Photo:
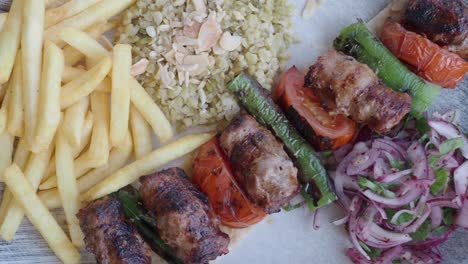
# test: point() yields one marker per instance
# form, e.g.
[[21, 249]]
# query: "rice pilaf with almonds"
[[193, 48]]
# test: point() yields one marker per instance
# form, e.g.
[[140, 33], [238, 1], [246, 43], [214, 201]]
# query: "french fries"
[[72, 55], [150, 162], [141, 134], [68, 189], [40, 217], [105, 86], [3, 18], [71, 8], [98, 151], [3, 117], [84, 141], [84, 43], [117, 159], [10, 38], [31, 49], [73, 121], [15, 119], [48, 116], [120, 96], [6, 141], [150, 111], [75, 90], [33, 172], [71, 73], [101, 11]]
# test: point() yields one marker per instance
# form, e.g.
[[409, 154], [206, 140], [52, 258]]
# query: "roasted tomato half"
[[303, 108], [212, 173]]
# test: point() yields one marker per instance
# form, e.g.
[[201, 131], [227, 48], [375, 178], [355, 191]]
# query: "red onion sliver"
[[416, 224], [362, 162], [397, 214], [462, 217], [389, 255], [352, 226], [394, 176], [388, 236], [449, 130], [393, 145], [460, 177], [436, 217], [381, 168], [417, 156], [434, 242]]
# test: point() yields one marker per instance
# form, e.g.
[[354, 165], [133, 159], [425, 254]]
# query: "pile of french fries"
[[72, 117]]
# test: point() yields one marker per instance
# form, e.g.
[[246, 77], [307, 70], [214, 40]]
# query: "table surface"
[[283, 237]]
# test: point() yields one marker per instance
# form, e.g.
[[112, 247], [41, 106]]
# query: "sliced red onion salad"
[[404, 195]]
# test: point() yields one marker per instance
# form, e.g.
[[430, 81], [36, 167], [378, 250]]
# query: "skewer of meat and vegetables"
[[166, 130]]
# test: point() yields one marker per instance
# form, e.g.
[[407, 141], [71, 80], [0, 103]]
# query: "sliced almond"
[[217, 50], [150, 31], [229, 42], [163, 75], [209, 34], [139, 67], [186, 41], [310, 7], [192, 30], [200, 60]]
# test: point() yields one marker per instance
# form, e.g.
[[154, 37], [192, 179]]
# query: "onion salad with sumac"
[[406, 194]]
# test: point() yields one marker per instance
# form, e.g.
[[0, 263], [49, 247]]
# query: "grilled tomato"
[[212, 173], [323, 130], [430, 61]]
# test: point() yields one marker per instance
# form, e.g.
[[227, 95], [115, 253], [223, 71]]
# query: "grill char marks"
[[351, 88], [184, 219], [261, 166], [442, 21], [109, 236]]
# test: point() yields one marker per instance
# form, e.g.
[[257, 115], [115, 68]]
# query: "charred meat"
[[108, 235], [351, 88], [184, 219], [442, 21], [261, 166]]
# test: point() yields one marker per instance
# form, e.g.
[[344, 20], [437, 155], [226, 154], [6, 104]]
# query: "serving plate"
[[284, 237]]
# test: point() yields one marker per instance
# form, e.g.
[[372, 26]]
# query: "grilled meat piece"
[[351, 88], [109, 236], [442, 21], [184, 219], [260, 165]]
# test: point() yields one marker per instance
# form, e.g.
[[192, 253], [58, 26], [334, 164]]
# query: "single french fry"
[[145, 165], [101, 11], [73, 121], [3, 117], [68, 188], [141, 134], [105, 86], [15, 107], [33, 172], [40, 217], [22, 153], [71, 73], [84, 43], [67, 10], [75, 90], [49, 97], [3, 18], [6, 199], [150, 111], [98, 151], [10, 38], [6, 142], [117, 159], [120, 95], [84, 141], [72, 55], [31, 49]]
